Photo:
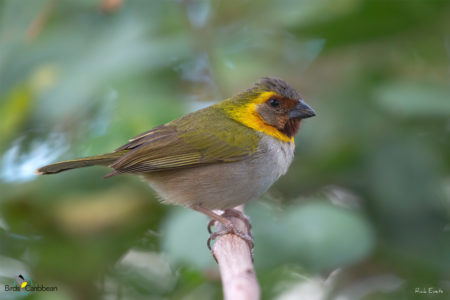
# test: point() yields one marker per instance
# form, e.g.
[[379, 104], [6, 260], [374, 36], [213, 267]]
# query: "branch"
[[236, 264], [39, 22]]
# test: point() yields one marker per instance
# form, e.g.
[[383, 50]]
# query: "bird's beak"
[[301, 111]]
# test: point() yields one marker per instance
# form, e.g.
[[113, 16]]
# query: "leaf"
[[319, 236], [324, 236], [414, 99], [14, 109], [184, 238]]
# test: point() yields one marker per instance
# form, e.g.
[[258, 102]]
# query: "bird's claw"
[[211, 224], [246, 237], [239, 215], [230, 229]]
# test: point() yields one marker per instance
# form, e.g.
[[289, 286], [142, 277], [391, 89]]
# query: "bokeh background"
[[363, 212]]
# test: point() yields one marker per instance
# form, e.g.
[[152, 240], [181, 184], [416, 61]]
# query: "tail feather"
[[98, 160]]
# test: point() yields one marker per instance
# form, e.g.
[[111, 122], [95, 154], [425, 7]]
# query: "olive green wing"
[[204, 137]]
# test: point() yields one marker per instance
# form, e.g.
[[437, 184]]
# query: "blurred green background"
[[363, 212]]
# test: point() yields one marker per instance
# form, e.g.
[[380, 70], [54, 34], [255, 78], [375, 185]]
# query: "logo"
[[21, 280], [23, 285]]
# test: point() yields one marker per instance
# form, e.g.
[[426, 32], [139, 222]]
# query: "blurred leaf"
[[318, 235], [367, 20], [184, 238], [407, 204], [326, 237], [14, 109], [414, 99], [11, 267], [146, 272], [97, 213]]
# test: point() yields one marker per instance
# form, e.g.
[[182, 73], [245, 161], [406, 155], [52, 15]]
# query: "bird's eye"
[[274, 102]]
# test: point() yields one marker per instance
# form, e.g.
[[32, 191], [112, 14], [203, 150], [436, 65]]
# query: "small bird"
[[21, 281], [215, 158]]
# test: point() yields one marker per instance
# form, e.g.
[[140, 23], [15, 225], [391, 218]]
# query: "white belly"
[[225, 185]]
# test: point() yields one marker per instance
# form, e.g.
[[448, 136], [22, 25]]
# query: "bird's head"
[[272, 106]]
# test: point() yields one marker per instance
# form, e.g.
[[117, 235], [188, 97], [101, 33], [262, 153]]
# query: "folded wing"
[[201, 138]]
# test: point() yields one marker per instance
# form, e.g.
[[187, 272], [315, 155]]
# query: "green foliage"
[[363, 212]]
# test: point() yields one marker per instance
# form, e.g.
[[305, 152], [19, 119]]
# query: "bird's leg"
[[235, 213], [229, 226]]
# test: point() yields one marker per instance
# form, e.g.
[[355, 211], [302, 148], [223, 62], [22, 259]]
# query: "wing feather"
[[203, 137]]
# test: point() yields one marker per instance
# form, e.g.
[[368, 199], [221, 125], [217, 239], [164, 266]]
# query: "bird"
[[215, 158], [21, 281]]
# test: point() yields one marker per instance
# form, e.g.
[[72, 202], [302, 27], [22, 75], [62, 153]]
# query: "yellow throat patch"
[[249, 116]]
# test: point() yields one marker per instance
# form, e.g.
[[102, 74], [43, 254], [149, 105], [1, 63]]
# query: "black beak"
[[301, 111]]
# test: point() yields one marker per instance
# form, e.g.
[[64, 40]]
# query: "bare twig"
[[236, 265], [39, 22]]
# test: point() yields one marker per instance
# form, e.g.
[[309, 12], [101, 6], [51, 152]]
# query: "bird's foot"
[[229, 228], [235, 214]]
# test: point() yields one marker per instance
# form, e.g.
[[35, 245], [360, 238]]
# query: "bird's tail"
[[98, 160]]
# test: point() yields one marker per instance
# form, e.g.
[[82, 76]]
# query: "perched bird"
[[215, 158]]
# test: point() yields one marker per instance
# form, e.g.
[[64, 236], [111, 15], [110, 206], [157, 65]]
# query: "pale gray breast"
[[225, 185], [279, 155]]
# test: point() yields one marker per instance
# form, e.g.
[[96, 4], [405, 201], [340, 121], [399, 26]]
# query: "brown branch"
[[236, 265], [38, 23]]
